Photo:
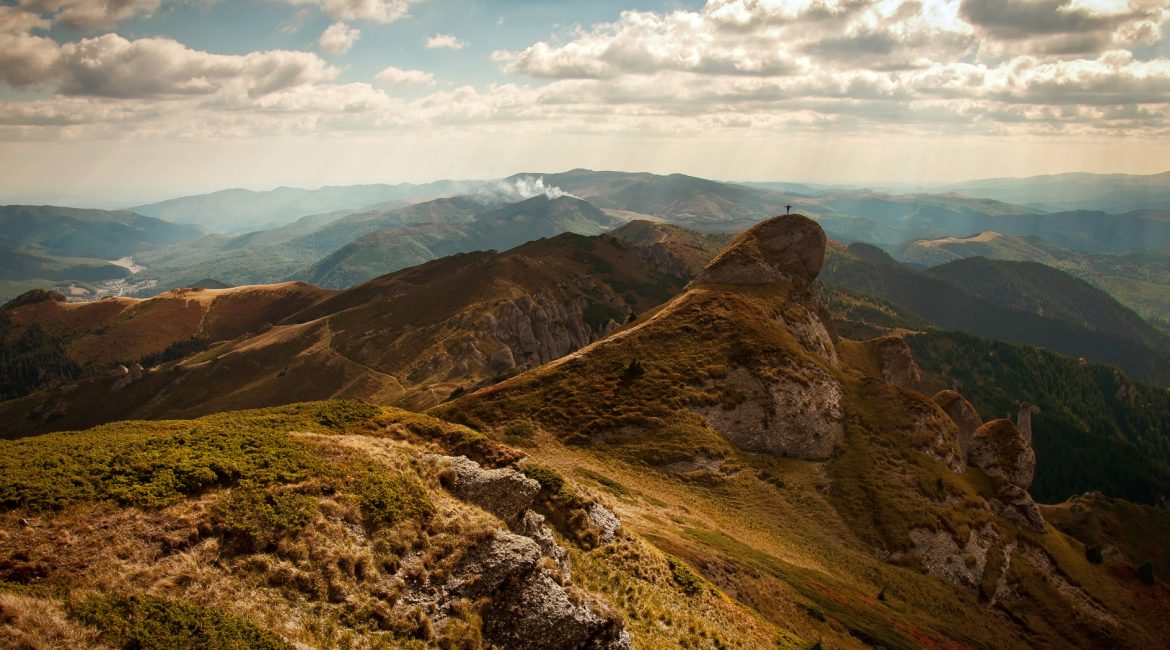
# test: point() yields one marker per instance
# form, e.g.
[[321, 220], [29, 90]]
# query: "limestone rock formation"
[[897, 362], [503, 492], [962, 413], [1024, 420], [1001, 451], [789, 247], [789, 417]]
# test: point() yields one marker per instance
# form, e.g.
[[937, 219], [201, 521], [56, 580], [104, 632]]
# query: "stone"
[[897, 362], [1001, 451], [503, 492], [788, 247], [962, 413]]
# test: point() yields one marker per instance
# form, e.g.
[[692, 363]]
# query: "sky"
[[121, 101]]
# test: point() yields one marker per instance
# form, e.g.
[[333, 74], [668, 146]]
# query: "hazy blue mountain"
[[1114, 193], [390, 249], [1021, 304], [238, 210], [74, 232], [1140, 281]]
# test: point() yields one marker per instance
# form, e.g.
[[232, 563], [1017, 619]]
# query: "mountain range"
[[714, 465]]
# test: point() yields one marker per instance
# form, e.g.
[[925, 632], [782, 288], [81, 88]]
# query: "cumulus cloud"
[[93, 14], [379, 11], [399, 77], [338, 38], [447, 41]]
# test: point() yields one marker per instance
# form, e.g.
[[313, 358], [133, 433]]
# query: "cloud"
[[378, 11], [112, 66], [399, 77], [445, 41], [93, 14], [338, 38]]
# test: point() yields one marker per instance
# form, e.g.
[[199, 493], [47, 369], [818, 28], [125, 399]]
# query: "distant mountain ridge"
[[237, 210]]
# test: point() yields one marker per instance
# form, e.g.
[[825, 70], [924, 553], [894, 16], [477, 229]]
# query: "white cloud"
[[93, 14], [439, 41], [112, 66], [399, 77], [338, 38], [379, 11]]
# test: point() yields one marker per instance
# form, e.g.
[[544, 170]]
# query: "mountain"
[[724, 471], [44, 339], [16, 264], [238, 210], [73, 232], [412, 337], [1035, 288], [1114, 193], [794, 472], [390, 249], [1139, 281], [999, 313], [1089, 422]]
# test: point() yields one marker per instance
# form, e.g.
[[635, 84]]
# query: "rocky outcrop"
[[962, 413], [782, 415], [1001, 451], [1024, 420], [804, 319], [942, 557], [503, 492], [530, 607], [897, 362], [789, 247], [532, 330]]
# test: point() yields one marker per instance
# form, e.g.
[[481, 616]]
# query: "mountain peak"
[[789, 247]]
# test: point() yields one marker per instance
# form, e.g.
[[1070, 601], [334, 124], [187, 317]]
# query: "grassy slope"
[[287, 525], [794, 540], [867, 270], [376, 341]]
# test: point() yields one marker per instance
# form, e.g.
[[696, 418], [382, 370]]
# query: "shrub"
[[1093, 554], [684, 577], [259, 517], [633, 371], [1146, 573], [387, 498], [146, 623]]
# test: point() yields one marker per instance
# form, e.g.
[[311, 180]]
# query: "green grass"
[[156, 464], [147, 623]]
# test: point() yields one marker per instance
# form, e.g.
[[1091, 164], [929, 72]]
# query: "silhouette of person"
[[788, 209]]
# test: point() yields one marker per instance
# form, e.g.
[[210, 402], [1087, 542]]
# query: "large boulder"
[[897, 362], [962, 413], [503, 492], [1004, 454], [789, 247]]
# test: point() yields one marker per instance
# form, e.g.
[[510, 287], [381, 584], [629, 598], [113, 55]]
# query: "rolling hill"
[[390, 249], [238, 210], [73, 232], [45, 340], [1114, 193], [411, 337], [1140, 281], [1102, 330]]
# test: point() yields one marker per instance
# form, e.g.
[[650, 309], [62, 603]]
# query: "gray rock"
[[605, 521], [504, 492], [1001, 451], [897, 362], [783, 416], [962, 413], [540, 614]]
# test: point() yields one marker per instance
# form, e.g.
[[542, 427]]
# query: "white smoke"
[[522, 188]]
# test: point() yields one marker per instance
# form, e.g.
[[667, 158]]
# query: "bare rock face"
[[783, 416], [532, 330], [789, 247], [1024, 420], [605, 521], [962, 413], [1001, 451], [505, 493], [805, 320], [897, 362]]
